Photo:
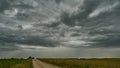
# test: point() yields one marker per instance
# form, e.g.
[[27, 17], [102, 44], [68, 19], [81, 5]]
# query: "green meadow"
[[15, 63]]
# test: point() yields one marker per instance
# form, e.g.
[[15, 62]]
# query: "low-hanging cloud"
[[53, 23]]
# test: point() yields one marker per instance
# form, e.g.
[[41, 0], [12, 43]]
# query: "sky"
[[60, 28]]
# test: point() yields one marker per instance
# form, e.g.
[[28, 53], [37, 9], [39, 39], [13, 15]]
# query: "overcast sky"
[[60, 28]]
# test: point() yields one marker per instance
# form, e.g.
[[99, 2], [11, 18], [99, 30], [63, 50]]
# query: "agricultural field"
[[15, 63], [84, 63]]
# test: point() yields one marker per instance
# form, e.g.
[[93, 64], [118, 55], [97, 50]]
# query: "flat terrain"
[[16, 63], [85, 63], [62, 63], [39, 64]]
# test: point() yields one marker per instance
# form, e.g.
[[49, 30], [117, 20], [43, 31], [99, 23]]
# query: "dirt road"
[[40, 64]]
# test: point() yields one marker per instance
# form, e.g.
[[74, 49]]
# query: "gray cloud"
[[54, 23], [27, 40], [4, 4]]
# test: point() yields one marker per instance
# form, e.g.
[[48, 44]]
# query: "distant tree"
[[30, 57]]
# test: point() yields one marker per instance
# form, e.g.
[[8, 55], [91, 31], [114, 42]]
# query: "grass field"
[[15, 63], [64, 63], [84, 63]]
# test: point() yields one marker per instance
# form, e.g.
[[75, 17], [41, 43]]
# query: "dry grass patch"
[[85, 63]]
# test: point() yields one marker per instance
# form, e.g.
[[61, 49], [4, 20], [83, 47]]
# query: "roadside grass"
[[16, 63], [85, 63]]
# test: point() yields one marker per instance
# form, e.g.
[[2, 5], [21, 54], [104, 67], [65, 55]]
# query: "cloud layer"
[[55, 23]]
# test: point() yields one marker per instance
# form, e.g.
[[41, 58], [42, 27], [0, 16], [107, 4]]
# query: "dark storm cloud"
[[38, 41], [110, 41], [7, 4], [4, 4], [87, 8], [58, 1], [28, 40], [4, 46], [101, 24], [70, 23]]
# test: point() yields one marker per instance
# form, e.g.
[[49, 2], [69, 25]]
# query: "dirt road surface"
[[40, 64]]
